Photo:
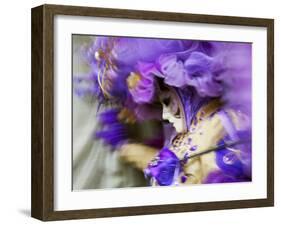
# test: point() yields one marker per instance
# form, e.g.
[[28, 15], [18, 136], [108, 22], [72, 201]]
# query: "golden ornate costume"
[[206, 130]]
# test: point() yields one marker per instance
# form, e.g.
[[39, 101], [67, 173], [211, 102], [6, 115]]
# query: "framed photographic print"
[[141, 112]]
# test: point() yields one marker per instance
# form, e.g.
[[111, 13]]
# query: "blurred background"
[[95, 165]]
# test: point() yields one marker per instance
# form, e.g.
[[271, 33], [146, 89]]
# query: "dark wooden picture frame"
[[42, 203]]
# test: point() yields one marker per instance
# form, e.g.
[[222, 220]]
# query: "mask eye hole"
[[170, 103], [166, 101]]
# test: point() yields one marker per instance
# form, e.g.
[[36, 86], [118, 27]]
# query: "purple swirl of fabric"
[[163, 167], [198, 70], [233, 167], [113, 132], [144, 89]]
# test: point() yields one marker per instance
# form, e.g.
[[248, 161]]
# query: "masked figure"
[[199, 91], [210, 144]]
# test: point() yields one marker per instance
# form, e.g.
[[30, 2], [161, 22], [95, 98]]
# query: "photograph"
[[148, 112], [152, 112]]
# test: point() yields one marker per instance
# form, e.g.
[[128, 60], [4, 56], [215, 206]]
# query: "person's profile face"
[[171, 110]]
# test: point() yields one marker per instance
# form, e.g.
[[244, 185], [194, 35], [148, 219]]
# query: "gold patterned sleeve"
[[138, 155], [203, 135]]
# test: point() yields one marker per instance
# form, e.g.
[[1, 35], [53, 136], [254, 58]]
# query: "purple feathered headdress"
[[125, 71]]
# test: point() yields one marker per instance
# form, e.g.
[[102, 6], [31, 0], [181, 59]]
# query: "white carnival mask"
[[171, 110]]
